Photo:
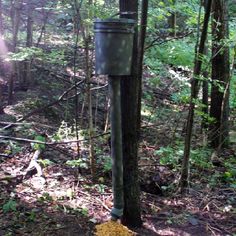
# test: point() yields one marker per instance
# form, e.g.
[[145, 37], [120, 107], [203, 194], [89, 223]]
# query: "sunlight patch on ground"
[[79, 72], [10, 110], [179, 76], [145, 112], [173, 232], [57, 40]]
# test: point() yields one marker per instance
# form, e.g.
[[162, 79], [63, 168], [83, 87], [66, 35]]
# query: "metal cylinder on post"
[[113, 57], [116, 148], [113, 46]]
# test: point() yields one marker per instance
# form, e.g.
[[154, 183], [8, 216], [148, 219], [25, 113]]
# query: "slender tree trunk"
[[129, 108], [108, 101], [205, 89], [15, 25], [1, 96], [86, 39], [1, 20], [26, 81], [172, 20], [219, 110], [46, 15], [194, 94], [142, 36], [90, 112], [205, 98], [29, 36], [16, 22]]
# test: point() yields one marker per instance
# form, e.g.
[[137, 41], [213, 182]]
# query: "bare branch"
[[49, 143], [45, 107], [155, 41]]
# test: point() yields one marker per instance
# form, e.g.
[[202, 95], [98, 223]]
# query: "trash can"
[[113, 46]]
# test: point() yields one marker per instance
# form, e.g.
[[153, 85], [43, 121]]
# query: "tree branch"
[[49, 143], [155, 41], [45, 107]]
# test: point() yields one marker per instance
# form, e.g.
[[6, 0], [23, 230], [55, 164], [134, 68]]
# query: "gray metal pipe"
[[116, 148]]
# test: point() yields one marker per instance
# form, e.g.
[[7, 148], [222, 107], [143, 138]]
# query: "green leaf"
[[25, 54], [45, 162], [9, 206], [77, 163], [227, 175], [233, 186], [38, 146]]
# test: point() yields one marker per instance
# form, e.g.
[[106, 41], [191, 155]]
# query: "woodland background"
[[179, 134]]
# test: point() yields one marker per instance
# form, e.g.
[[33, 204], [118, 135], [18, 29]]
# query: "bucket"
[[113, 46]]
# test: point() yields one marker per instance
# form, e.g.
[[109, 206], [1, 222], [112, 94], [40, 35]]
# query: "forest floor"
[[65, 201]]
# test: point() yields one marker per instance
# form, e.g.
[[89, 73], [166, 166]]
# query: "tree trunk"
[[142, 36], [183, 184], [29, 37], [172, 20], [15, 24], [205, 99], [26, 80], [205, 89], [129, 108], [46, 14], [1, 96], [1, 20], [88, 74], [219, 110]]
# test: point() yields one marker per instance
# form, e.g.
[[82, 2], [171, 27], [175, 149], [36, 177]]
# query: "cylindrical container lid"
[[120, 20], [113, 46], [121, 25]]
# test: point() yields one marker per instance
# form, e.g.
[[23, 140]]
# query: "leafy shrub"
[[9, 206], [25, 53], [106, 162], [178, 53], [172, 155], [78, 163]]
